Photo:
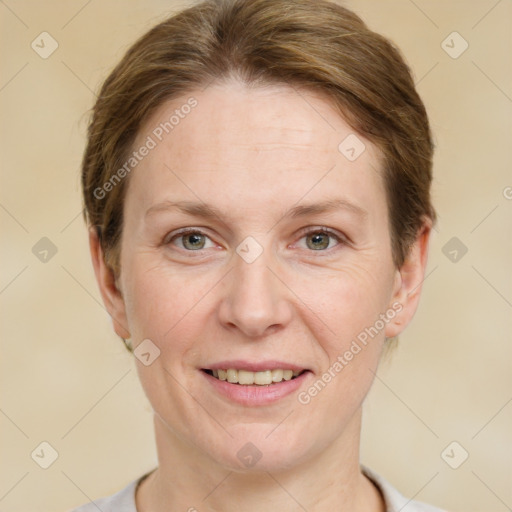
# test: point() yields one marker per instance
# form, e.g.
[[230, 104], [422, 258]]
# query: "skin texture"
[[255, 153]]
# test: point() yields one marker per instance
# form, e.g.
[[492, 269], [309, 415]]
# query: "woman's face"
[[287, 265]]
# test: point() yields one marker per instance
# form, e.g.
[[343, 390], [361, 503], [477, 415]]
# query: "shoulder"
[[393, 499], [122, 501]]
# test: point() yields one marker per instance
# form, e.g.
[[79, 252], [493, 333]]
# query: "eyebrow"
[[206, 211]]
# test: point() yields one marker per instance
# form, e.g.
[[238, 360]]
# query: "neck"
[[191, 481]]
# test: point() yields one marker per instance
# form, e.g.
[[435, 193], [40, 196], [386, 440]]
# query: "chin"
[[257, 448]]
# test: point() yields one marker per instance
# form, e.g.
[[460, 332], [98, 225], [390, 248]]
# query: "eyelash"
[[304, 233]]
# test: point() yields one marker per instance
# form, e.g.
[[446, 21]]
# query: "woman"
[[257, 188]]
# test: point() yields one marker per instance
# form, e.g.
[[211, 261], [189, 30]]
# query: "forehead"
[[250, 140]]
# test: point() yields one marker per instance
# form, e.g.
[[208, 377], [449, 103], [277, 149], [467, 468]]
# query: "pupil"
[[194, 241], [319, 241]]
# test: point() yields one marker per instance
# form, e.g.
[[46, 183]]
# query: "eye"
[[190, 240], [321, 239]]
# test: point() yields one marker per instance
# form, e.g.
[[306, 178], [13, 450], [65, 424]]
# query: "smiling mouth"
[[247, 378]]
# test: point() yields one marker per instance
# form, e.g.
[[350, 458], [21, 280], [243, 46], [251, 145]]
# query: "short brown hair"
[[314, 44]]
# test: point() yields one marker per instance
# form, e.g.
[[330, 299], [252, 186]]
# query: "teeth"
[[247, 378], [277, 375], [263, 378]]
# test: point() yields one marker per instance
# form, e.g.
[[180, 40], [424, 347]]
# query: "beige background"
[[67, 380]]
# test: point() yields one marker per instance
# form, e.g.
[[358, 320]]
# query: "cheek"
[[348, 299], [351, 346], [353, 340], [162, 303]]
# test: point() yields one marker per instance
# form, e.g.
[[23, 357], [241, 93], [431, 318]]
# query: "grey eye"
[[318, 240], [193, 241]]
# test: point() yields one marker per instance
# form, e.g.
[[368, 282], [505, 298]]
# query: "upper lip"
[[259, 366]]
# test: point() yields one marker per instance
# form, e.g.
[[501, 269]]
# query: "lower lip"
[[256, 395]]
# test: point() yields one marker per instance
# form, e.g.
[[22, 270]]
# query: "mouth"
[[248, 378], [255, 383]]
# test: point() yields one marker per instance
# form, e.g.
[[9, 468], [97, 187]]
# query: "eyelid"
[[322, 229]]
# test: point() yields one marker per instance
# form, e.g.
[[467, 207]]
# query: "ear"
[[112, 296], [408, 282]]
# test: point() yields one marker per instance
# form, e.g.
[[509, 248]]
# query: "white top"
[[124, 500]]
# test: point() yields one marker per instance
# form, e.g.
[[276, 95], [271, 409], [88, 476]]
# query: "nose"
[[256, 302]]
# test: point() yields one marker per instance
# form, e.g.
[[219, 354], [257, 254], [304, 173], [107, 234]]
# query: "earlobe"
[[110, 293], [408, 282]]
